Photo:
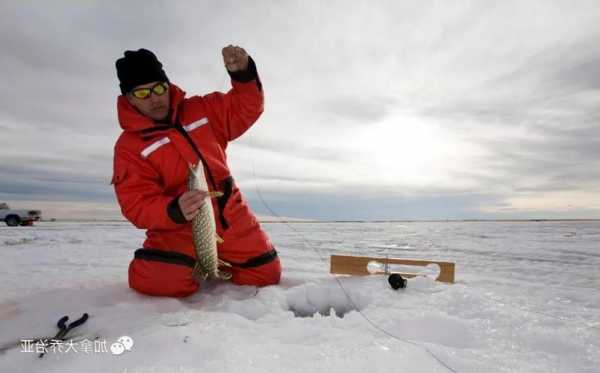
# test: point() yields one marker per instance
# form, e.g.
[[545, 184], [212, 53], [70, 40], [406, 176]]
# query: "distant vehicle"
[[12, 218]]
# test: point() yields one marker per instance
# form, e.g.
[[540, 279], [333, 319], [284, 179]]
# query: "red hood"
[[131, 119]]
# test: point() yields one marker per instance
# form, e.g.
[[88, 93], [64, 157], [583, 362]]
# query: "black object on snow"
[[64, 328], [396, 281]]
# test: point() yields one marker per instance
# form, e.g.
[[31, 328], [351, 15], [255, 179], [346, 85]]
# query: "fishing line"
[[306, 242], [365, 317]]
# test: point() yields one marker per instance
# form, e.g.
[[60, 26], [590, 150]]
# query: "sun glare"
[[410, 151]]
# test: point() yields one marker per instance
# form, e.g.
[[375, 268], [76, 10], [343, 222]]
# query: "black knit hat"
[[139, 67]]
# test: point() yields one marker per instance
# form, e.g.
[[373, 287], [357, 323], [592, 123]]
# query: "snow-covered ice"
[[527, 299]]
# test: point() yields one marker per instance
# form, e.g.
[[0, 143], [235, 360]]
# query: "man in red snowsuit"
[[163, 133]]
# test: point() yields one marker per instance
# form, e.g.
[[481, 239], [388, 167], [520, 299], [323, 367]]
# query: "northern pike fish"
[[204, 232]]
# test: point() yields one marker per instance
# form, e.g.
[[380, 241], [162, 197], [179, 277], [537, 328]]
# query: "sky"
[[373, 109]]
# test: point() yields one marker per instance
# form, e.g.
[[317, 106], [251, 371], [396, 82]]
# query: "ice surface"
[[527, 299]]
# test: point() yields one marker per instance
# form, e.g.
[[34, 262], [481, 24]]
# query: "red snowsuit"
[[150, 172]]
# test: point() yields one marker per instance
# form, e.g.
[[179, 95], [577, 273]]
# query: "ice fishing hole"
[[324, 299]]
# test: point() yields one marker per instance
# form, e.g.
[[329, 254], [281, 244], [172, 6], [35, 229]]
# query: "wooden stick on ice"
[[358, 265]]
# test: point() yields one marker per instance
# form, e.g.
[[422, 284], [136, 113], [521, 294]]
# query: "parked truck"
[[12, 218]]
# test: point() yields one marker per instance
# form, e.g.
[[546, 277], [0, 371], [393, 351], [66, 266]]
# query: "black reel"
[[396, 281]]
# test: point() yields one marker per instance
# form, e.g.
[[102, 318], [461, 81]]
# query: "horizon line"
[[299, 220]]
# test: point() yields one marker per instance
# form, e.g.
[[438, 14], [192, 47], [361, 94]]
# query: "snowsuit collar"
[[132, 120]]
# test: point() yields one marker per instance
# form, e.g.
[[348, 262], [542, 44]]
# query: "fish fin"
[[219, 239], [197, 273], [215, 194], [223, 263], [225, 275], [192, 169]]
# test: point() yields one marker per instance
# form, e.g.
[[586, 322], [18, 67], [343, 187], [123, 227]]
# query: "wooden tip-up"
[[358, 265]]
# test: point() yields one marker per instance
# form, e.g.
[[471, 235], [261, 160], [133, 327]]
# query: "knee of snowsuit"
[[167, 273]]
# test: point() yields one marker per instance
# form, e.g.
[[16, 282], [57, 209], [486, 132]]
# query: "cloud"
[[50, 178], [363, 110], [380, 207], [476, 105], [297, 149]]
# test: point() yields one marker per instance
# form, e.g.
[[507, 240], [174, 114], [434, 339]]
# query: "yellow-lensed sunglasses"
[[158, 89]]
